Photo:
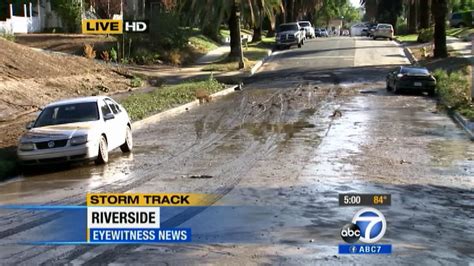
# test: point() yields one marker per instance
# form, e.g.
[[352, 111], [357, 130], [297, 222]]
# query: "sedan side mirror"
[[30, 125], [109, 116]]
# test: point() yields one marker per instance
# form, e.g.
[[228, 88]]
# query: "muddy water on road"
[[222, 141], [381, 144], [281, 146]]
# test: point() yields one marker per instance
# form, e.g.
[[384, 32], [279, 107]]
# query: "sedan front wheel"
[[128, 144], [103, 156]]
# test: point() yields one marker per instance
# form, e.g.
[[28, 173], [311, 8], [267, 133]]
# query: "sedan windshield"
[[68, 113], [304, 24], [288, 28]]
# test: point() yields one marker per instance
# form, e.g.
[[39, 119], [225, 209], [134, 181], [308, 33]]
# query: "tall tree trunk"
[[252, 14], [412, 16], [235, 41], [424, 14], [257, 34], [290, 10], [371, 9], [282, 15], [257, 30], [271, 30], [439, 8]]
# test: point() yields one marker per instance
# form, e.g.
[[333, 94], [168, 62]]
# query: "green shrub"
[[425, 35], [144, 56], [164, 31], [70, 13], [8, 36], [453, 88], [402, 27], [136, 82], [113, 55]]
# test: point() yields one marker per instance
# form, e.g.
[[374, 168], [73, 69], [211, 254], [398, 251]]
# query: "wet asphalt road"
[[278, 145]]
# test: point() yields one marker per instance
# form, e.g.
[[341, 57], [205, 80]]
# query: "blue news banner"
[[365, 249]]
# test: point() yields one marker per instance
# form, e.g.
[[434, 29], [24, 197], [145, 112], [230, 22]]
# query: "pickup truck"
[[289, 34]]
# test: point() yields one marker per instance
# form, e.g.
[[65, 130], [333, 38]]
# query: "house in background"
[[335, 25], [32, 16]]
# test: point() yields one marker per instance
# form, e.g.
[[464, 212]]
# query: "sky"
[[355, 3]]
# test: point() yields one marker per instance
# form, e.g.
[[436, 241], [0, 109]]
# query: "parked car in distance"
[[411, 78], [317, 32], [383, 31], [369, 31], [289, 34], [461, 19], [324, 33], [308, 28], [358, 29], [86, 128]]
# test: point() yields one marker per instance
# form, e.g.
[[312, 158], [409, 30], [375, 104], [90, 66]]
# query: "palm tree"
[[424, 14], [439, 8]]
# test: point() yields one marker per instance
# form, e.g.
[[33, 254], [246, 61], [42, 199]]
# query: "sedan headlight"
[[27, 146], [400, 75], [78, 140]]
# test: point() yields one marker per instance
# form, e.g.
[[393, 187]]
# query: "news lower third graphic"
[[368, 226], [115, 219]]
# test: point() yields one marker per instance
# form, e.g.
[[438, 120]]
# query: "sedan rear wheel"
[[128, 144], [431, 92], [396, 90], [103, 156]]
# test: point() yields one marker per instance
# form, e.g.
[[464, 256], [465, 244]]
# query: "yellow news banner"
[[147, 199]]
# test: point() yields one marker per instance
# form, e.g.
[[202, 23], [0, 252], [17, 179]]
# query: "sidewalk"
[[214, 55], [464, 49], [172, 74]]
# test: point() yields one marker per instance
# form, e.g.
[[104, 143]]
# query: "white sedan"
[[78, 129]]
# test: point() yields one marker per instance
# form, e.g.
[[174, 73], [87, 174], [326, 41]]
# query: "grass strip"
[[143, 104]]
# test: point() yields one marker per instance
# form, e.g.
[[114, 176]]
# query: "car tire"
[[375, 38], [103, 155], [390, 39], [396, 90], [431, 92], [299, 44], [387, 87], [127, 146]]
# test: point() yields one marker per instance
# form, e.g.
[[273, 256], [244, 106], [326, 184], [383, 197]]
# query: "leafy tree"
[[370, 9], [328, 11], [388, 11], [70, 13], [350, 13]]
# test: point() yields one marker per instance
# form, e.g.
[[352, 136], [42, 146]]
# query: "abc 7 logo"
[[368, 225]]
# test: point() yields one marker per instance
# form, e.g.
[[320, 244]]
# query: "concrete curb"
[[464, 123], [410, 56], [177, 110], [260, 63]]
